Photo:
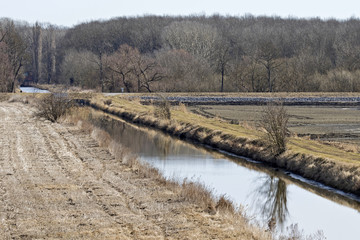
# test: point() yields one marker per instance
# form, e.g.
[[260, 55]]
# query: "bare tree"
[[37, 51], [267, 56], [16, 51], [184, 72], [49, 52], [221, 59], [274, 121], [122, 63], [5, 69], [147, 72], [196, 38], [79, 68]]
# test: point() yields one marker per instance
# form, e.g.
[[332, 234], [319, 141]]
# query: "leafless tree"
[[274, 121], [16, 51], [122, 63], [5, 69], [37, 51], [147, 72]]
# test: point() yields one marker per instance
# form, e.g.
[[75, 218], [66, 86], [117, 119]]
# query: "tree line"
[[189, 53]]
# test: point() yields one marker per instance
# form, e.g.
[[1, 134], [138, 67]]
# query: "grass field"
[[324, 122]]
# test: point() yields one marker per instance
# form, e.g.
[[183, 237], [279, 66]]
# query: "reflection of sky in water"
[[242, 185], [33, 90]]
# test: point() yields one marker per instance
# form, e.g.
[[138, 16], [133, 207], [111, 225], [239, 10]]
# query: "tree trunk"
[[52, 57], [37, 48], [222, 79]]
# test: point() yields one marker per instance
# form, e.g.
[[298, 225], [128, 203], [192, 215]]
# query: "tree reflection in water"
[[163, 145], [271, 200]]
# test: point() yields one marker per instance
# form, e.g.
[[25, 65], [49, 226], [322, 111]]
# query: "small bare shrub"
[[108, 102], [225, 204], [182, 107], [274, 121], [162, 109], [19, 98], [53, 106], [197, 193]]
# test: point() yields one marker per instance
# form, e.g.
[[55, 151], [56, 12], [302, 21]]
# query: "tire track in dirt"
[[103, 193], [42, 191]]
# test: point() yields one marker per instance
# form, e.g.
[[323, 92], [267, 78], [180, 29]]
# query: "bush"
[[162, 109], [53, 106], [108, 102], [274, 121]]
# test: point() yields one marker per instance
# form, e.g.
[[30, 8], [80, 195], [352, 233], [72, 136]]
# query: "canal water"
[[33, 90], [265, 193]]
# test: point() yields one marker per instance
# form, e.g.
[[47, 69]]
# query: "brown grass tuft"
[[224, 204], [198, 193], [182, 107], [162, 109], [108, 102]]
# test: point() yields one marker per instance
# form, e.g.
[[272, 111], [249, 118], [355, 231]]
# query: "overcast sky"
[[72, 12]]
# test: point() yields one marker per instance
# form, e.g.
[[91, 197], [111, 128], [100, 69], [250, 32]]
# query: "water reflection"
[[271, 199], [152, 144]]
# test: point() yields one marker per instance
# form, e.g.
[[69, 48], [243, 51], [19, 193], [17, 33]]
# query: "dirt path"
[[56, 182]]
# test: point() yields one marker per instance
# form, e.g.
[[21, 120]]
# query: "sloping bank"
[[313, 160]]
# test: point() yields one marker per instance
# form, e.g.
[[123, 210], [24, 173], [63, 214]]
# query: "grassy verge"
[[311, 159]]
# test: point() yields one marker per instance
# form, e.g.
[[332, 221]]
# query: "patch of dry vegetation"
[[274, 121], [4, 97], [53, 106], [162, 109]]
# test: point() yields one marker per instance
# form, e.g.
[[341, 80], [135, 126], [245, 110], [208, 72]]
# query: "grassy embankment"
[[311, 159]]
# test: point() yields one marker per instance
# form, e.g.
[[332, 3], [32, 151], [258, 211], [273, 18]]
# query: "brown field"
[[324, 122]]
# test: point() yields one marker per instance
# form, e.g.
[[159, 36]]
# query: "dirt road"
[[57, 182]]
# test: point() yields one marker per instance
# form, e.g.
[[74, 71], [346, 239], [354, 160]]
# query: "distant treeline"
[[193, 53]]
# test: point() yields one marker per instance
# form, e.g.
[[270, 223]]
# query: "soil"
[[56, 182]]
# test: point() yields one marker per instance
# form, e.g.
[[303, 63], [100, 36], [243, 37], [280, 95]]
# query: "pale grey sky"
[[72, 12]]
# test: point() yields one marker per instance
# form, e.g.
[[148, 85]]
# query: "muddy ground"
[[57, 182]]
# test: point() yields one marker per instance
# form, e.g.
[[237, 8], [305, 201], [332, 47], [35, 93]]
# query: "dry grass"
[[224, 204], [4, 96], [162, 109], [348, 147], [199, 194], [182, 108]]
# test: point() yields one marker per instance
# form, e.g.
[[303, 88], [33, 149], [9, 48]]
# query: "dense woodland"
[[193, 53]]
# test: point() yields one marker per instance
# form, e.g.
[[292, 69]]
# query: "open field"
[[341, 123], [57, 182]]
